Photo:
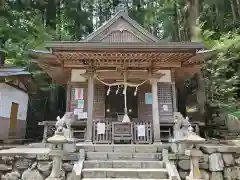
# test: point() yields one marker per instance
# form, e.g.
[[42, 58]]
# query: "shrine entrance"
[[114, 103]]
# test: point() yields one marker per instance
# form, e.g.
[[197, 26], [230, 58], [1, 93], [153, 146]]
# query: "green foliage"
[[27, 24], [223, 73]]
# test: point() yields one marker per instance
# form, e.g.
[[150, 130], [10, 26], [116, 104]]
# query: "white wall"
[[9, 94]]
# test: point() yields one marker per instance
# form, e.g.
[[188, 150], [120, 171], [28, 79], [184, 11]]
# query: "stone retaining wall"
[[218, 162], [37, 167]]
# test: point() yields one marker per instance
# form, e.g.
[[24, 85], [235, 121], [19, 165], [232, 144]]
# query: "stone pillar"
[[194, 164], [90, 108], [56, 173], [68, 97], [155, 111]]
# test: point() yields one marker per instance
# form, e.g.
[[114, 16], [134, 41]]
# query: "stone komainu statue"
[[182, 128], [66, 121]]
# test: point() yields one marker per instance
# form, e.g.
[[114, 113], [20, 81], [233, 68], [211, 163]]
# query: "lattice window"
[[165, 93], [165, 103], [99, 94]]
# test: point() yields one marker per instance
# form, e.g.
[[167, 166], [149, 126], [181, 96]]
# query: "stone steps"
[[125, 173], [123, 148], [124, 164], [123, 156]]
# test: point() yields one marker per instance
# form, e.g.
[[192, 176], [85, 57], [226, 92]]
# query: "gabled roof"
[[21, 74], [124, 15]]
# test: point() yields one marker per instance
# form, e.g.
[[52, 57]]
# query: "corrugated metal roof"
[[13, 71], [22, 75]]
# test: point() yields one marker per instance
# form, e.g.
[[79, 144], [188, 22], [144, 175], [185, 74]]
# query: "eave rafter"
[[117, 59]]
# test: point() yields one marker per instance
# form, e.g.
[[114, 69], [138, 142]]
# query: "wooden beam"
[[65, 56], [140, 65]]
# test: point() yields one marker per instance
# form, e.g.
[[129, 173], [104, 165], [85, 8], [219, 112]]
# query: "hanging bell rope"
[[126, 118]]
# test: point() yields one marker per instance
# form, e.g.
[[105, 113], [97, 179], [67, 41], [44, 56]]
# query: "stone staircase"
[[125, 162]]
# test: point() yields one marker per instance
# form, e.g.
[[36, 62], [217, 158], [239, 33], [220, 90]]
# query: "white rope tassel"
[[117, 90], [135, 92], [109, 89]]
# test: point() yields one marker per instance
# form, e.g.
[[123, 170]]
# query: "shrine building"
[[121, 79]]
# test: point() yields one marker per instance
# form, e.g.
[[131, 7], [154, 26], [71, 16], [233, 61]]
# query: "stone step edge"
[[121, 161], [119, 179], [122, 153], [125, 169]]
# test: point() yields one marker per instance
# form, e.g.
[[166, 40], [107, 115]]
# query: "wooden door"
[[13, 119]]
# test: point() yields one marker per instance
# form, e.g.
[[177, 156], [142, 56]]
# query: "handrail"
[[78, 166], [170, 166]]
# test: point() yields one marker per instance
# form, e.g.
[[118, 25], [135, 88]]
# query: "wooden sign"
[[148, 98], [80, 104]]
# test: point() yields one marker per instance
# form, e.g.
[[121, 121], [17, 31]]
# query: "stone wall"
[[37, 167], [218, 162]]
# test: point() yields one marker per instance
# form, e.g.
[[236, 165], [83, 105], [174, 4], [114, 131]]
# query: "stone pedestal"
[[194, 164], [56, 173], [70, 146]]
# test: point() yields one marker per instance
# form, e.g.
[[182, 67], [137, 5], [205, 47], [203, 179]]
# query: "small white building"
[[15, 86]]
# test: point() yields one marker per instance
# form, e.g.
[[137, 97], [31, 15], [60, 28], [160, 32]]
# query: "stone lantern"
[[192, 139], [57, 152]]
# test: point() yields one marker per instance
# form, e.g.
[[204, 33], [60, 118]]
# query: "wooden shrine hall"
[[120, 80]]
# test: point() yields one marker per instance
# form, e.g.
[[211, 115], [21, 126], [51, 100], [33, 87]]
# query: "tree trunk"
[[238, 7], [2, 54], [193, 20], [233, 11], [181, 98], [78, 20], [51, 11], [2, 2], [59, 20], [176, 25]]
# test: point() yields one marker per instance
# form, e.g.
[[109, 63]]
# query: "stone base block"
[[52, 178], [191, 178]]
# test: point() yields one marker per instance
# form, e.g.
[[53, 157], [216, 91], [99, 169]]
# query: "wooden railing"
[[102, 137], [141, 132], [140, 137]]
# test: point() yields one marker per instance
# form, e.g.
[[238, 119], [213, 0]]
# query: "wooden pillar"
[[90, 108], [155, 111], [68, 97], [174, 96]]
